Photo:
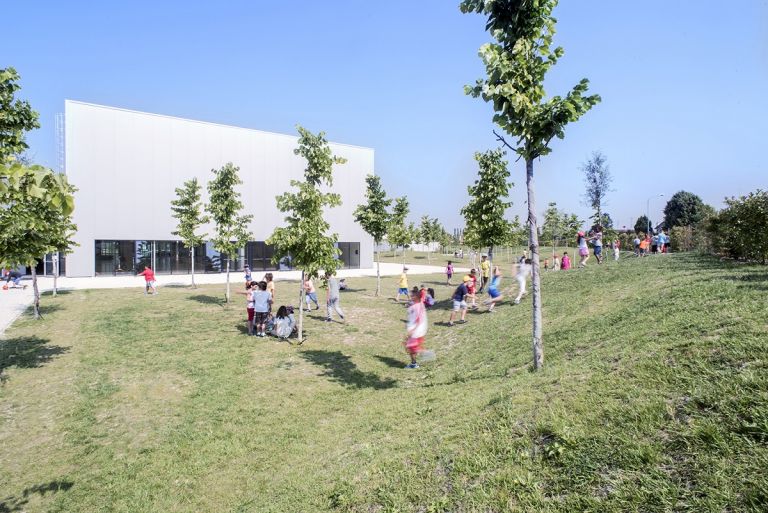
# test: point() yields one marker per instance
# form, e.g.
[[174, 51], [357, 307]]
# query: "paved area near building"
[[14, 302]]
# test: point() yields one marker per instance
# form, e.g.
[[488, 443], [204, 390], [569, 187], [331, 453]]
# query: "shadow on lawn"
[[340, 368], [26, 353], [19, 502], [206, 300], [390, 362], [45, 309]]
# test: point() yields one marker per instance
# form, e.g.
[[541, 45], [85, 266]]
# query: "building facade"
[[126, 166]]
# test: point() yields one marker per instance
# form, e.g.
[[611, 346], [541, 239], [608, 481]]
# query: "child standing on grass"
[[616, 249], [270, 285], [566, 262], [472, 288], [485, 272], [262, 304], [416, 328], [149, 279], [403, 285], [332, 299], [459, 301], [250, 288], [449, 272], [523, 271], [248, 276], [556, 263], [310, 294], [494, 290]]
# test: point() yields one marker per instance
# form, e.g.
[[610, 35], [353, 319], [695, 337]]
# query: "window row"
[[115, 257]]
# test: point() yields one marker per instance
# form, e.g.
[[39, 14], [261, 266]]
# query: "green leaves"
[[36, 218], [373, 215], [305, 238], [224, 208], [516, 65], [188, 209], [16, 117], [484, 215]]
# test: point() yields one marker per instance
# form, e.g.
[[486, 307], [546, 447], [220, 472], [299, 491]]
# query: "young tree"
[[398, 232], [16, 117], [484, 214], [684, 209], [643, 224], [306, 238], [559, 225], [224, 207], [373, 217], [597, 179], [36, 217], [429, 231], [188, 209], [516, 64]]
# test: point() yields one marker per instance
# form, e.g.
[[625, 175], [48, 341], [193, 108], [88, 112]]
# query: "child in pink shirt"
[[565, 263]]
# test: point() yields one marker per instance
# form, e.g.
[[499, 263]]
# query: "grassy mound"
[[654, 398]]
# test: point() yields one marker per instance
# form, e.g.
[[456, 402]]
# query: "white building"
[[126, 166]]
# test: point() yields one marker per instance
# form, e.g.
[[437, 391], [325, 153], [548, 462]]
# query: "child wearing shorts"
[[449, 272], [416, 328], [494, 290], [459, 301], [262, 304], [403, 285]]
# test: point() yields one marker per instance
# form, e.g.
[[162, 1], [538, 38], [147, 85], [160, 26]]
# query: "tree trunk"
[[302, 300], [227, 294], [378, 273], [55, 275], [36, 302], [193, 267], [533, 235]]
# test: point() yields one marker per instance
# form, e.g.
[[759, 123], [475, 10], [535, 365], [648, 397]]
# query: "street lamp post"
[[648, 209]]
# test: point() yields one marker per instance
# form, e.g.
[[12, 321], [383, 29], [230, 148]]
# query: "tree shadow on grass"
[[19, 502], [26, 353], [390, 362], [208, 300], [340, 368], [45, 309]]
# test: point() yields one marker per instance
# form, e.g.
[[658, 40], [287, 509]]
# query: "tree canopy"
[[305, 237], [484, 215], [597, 181], [187, 208], [16, 117], [36, 216], [683, 209], [373, 215]]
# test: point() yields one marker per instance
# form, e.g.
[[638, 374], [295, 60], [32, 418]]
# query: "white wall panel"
[[126, 165]]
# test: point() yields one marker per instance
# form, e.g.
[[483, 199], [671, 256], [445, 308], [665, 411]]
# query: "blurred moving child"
[[416, 328]]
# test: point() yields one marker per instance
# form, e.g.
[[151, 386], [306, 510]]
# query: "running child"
[[449, 272], [523, 271], [494, 290], [416, 328], [332, 298], [460, 302], [149, 278], [581, 242], [403, 286]]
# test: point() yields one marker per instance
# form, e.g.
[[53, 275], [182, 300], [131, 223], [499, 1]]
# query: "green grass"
[[654, 398]]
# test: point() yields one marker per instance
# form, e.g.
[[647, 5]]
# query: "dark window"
[[115, 257], [350, 254]]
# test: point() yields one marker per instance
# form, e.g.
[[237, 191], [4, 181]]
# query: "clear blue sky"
[[684, 86]]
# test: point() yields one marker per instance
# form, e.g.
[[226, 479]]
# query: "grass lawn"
[[654, 398], [502, 255]]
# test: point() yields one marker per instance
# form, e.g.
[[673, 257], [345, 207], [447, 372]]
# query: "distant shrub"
[[740, 230]]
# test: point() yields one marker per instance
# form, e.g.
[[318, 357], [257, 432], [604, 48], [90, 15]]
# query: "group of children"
[[658, 243]]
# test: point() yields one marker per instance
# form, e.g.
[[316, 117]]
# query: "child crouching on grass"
[[416, 328]]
